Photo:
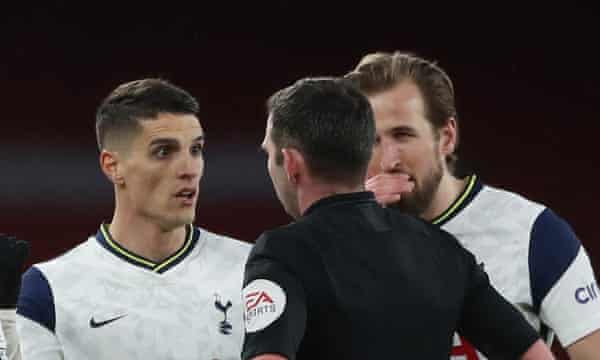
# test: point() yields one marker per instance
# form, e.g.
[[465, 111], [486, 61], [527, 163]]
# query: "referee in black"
[[350, 279]]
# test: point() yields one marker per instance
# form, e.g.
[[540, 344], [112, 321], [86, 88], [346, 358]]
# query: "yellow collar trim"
[[131, 256], [458, 202]]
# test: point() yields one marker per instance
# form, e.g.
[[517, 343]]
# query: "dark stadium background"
[[526, 80]]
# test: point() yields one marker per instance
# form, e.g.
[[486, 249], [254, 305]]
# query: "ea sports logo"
[[256, 298], [264, 302]]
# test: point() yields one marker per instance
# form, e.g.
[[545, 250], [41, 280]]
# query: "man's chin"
[[188, 219], [182, 220]]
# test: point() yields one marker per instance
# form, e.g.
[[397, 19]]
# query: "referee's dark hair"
[[131, 102], [330, 122]]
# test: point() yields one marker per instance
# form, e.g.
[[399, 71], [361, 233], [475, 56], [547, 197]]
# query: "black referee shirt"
[[353, 280]]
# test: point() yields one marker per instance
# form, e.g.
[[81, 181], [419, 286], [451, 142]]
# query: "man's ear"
[[449, 137], [109, 163], [293, 163]]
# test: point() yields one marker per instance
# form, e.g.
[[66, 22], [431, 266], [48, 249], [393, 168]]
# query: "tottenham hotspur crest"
[[224, 326]]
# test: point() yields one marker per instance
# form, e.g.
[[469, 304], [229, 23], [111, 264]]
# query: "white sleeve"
[[572, 307], [563, 286], [36, 321], [3, 355], [9, 341], [37, 342]]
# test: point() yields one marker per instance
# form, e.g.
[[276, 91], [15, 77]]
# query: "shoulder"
[[509, 202], [225, 245], [36, 298], [285, 245], [82, 254], [497, 215], [422, 231], [553, 249], [552, 241], [282, 239]]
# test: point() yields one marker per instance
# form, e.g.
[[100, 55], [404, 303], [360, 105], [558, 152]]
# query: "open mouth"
[[186, 194]]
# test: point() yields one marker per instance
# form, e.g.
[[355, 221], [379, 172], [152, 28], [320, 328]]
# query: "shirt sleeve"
[[36, 321], [3, 355], [37, 343], [274, 308], [489, 321], [564, 289], [9, 341]]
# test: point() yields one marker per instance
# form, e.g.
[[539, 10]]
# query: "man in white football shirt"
[[149, 284], [531, 255]]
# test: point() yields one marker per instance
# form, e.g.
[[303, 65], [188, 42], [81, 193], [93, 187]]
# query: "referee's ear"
[[109, 165], [293, 164]]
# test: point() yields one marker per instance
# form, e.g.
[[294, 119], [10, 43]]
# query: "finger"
[[390, 188], [385, 176], [386, 181]]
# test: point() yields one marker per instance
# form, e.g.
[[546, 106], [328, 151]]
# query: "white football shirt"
[[100, 301], [533, 258]]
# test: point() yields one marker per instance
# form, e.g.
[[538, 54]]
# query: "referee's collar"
[[340, 199]]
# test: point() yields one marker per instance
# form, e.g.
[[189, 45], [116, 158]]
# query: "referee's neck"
[[308, 195]]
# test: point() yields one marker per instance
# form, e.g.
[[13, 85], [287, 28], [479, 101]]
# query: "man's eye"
[[161, 152], [402, 135], [197, 149]]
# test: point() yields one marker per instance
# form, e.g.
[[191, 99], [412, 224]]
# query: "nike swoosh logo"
[[95, 324]]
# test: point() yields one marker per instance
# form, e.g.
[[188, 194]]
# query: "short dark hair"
[[138, 100], [380, 71], [330, 122]]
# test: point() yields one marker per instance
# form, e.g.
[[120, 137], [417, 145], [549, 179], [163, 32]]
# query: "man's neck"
[[309, 195], [448, 191], [146, 238]]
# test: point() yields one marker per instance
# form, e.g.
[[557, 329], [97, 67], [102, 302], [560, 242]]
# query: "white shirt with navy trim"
[[534, 259], [91, 303]]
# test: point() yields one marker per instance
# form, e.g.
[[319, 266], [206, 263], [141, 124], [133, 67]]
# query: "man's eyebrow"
[[172, 141], [163, 141], [401, 128]]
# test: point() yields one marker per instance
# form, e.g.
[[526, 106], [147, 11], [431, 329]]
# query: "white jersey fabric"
[[3, 355], [100, 301], [533, 258], [9, 341]]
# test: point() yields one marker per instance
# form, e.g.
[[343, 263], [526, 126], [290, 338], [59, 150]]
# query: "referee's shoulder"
[[282, 240], [424, 229]]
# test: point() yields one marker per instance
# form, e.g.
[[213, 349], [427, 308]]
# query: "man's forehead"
[[405, 94], [402, 102], [172, 125]]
